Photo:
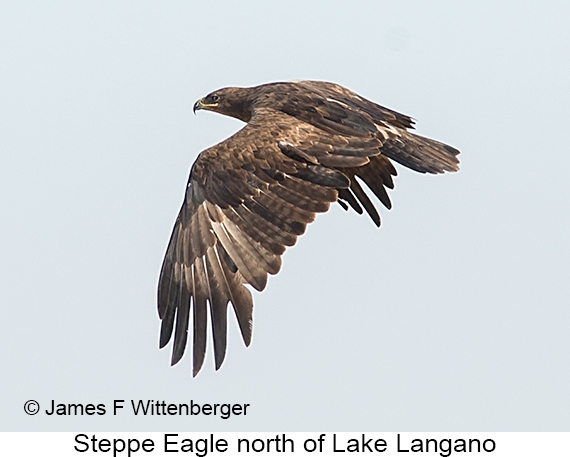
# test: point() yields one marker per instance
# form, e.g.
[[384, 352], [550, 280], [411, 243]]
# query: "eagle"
[[305, 145]]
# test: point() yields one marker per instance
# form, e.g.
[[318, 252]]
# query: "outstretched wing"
[[247, 199]]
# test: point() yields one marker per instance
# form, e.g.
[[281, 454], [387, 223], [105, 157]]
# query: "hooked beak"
[[202, 104], [198, 105]]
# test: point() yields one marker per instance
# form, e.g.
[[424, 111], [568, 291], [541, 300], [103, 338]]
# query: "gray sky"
[[452, 316]]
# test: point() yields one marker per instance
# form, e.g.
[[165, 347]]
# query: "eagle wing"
[[247, 199]]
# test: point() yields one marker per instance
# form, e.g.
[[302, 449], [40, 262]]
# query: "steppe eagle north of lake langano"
[[252, 195]]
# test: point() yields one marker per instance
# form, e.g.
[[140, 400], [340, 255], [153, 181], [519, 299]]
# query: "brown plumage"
[[252, 195]]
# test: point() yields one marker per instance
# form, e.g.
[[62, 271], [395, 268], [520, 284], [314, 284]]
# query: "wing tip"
[[176, 357], [220, 357]]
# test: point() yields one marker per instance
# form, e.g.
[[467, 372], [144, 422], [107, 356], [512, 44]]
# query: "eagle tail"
[[422, 154]]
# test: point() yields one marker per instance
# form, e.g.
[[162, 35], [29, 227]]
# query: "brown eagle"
[[252, 195]]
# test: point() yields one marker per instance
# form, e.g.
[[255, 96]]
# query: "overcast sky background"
[[454, 315]]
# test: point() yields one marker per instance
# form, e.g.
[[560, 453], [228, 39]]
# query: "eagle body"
[[305, 145]]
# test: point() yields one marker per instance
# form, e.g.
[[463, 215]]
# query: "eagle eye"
[[214, 98]]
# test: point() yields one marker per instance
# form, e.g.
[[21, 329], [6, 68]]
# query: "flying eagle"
[[252, 195]]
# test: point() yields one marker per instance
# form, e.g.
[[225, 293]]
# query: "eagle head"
[[230, 101]]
